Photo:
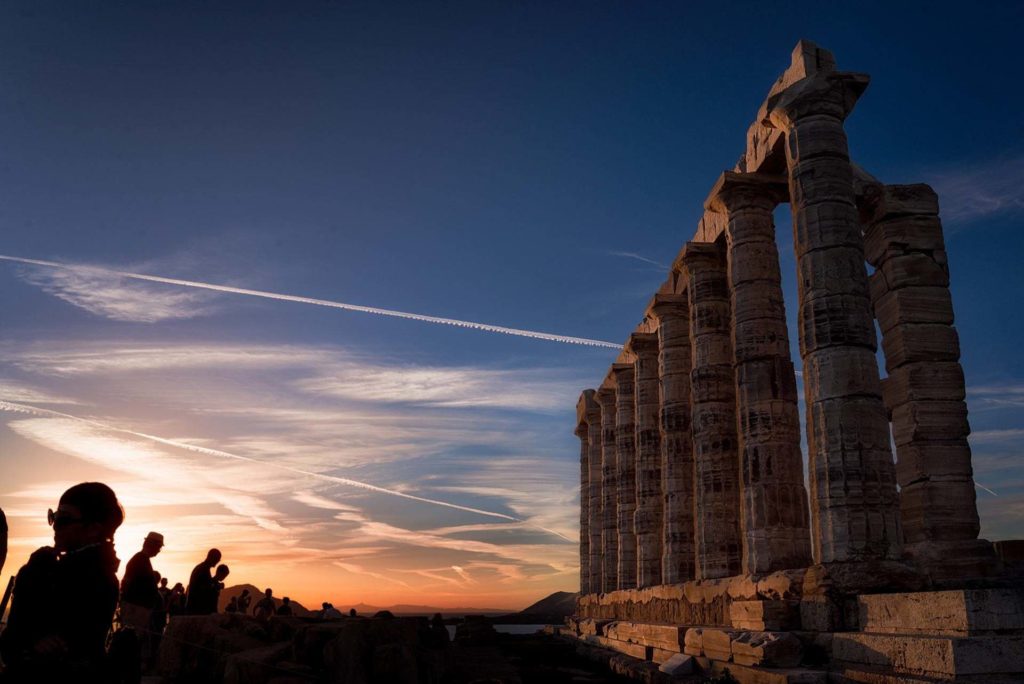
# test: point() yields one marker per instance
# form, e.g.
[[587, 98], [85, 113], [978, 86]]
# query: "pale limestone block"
[[965, 612], [939, 657]]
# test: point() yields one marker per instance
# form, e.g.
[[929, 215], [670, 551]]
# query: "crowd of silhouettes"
[[71, 620]]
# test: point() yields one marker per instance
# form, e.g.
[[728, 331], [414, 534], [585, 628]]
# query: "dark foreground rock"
[[238, 649]]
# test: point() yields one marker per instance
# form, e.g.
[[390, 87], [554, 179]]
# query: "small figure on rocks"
[[265, 607]]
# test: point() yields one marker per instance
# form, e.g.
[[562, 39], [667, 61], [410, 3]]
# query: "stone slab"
[[765, 615], [948, 613], [634, 650], [938, 657], [767, 649], [755, 675], [667, 637]]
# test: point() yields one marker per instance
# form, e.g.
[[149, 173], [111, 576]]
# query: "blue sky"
[[520, 164]]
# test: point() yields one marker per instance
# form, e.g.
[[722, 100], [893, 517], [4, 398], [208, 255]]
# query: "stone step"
[[940, 657], [665, 637], [958, 613]]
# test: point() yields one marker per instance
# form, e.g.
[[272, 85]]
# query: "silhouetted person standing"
[[3, 540], [264, 608], [244, 599], [286, 606], [218, 586], [176, 600], [200, 586], [65, 595], [139, 593]]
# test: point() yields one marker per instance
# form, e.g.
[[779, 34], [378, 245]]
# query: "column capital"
[[664, 305], [623, 372], [831, 93], [643, 344], [605, 395], [735, 191], [697, 254], [584, 405]]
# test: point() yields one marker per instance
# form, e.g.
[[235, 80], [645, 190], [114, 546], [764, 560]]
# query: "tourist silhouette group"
[[71, 620]]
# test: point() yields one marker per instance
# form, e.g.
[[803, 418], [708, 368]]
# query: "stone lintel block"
[[958, 613], [936, 381], [913, 343], [667, 637], [935, 656], [922, 460], [913, 269], [892, 237], [930, 421], [914, 305], [643, 344], [767, 649], [892, 201], [834, 373], [765, 615]]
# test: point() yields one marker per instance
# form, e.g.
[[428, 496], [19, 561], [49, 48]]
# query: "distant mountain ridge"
[[412, 609]]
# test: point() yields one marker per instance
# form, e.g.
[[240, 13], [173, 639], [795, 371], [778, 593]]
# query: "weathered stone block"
[[929, 421], [590, 626], [844, 372], [717, 643], [752, 262], [921, 460], [939, 657], [904, 200], [965, 612], [938, 381], [765, 615], [831, 272], [920, 342], [914, 305], [908, 270], [693, 641], [838, 321], [893, 237], [667, 637], [634, 650], [770, 377], [826, 225], [767, 649], [939, 509], [676, 665]]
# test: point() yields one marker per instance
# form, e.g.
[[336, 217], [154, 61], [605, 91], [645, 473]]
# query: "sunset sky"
[[528, 165]]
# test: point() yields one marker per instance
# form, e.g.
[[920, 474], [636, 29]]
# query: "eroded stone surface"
[[648, 521]]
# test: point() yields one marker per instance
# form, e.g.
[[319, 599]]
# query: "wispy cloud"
[[639, 257], [112, 296], [978, 191]]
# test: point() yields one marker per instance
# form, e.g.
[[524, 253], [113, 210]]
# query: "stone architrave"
[[595, 507], [625, 449], [854, 502], [648, 520], [924, 391], [774, 521], [674, 366], [605, 397], [713, 392], [582, 431]]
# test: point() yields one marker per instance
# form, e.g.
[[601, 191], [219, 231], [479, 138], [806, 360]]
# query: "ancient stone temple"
[[702, 546]]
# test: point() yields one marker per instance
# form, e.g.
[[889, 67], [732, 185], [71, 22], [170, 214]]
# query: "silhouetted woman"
[[65, 596]]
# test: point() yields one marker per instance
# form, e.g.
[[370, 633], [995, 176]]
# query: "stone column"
[[582, 431], [625, 450], [854, 503], [717, 478], [774, 520], [924, 391], [596, 510], [605, 397], [674, 364], [648, 521]]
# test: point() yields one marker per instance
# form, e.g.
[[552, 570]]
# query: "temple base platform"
[[822, 624]]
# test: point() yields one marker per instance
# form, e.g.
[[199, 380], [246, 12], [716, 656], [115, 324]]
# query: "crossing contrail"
[[486, 327], [12, 407]]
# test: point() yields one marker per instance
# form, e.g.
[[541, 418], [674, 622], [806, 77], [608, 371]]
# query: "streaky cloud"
[[486, 327]]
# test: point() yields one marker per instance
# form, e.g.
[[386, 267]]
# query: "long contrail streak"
[[320, 302], [33, 410]]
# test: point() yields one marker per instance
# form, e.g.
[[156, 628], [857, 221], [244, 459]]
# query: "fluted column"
[[595, 510], [648, 521], [609, 492], [713, 394], [924, 391], [625, 449], [674, 363], [774, 520], [854, 504], [582, 431]]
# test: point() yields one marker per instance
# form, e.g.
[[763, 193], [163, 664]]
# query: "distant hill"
[[560, 603], [411, 609], [298, 609]]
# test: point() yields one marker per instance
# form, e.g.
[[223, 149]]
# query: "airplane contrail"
[[566, 339], [13, 407]]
